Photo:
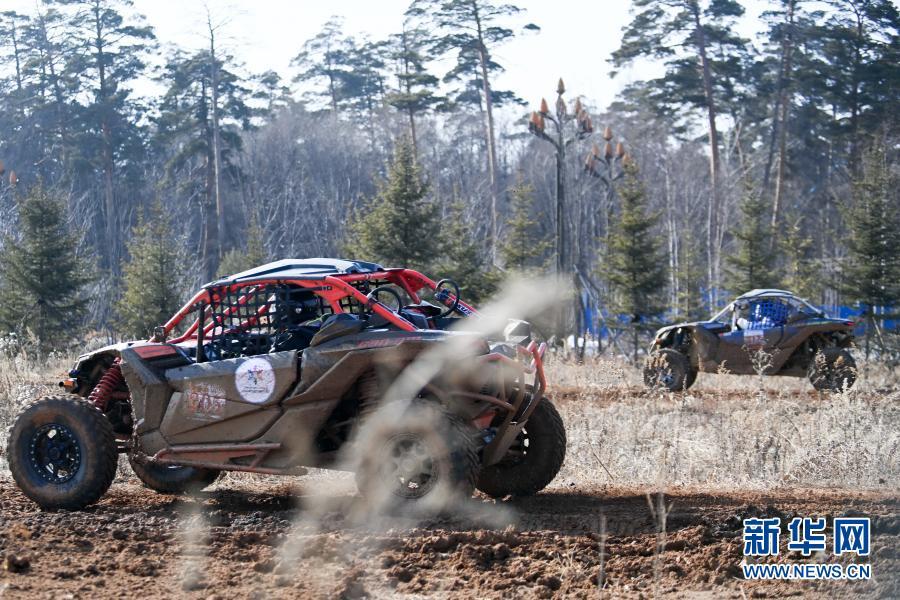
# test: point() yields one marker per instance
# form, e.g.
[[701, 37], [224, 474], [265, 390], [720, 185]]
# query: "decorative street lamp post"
[[561, 138], [608, 167]]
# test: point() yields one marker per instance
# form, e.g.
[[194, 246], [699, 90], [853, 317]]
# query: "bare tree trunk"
[[210, 219], [112, 238], [712, 217], [561, 233], [214, 83], [15, 43], [787, 50], [412, 133], [406, 83], [483, 59], [673, 241], [854, 94]]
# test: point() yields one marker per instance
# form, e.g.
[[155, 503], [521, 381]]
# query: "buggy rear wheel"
[[173, 479], [832, 369], [668, 369], [423, 457], [62, 453], [534, 459]]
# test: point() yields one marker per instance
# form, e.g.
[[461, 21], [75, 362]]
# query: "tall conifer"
[[154, 276], [401, 226], [634, 267], [41, 275], [751, 266], [872, 273]]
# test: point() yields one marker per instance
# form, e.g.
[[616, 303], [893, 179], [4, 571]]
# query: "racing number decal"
[[255, 380], [754, 338]]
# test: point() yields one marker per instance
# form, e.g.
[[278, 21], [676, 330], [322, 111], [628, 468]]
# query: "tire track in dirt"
[[131, 544]]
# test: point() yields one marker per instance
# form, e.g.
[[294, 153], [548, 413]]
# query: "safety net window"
[[351, 305], [768, 313], [247, 320]]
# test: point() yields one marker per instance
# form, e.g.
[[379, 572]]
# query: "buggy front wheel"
[[670, 370], [533, 460], [62, 453]]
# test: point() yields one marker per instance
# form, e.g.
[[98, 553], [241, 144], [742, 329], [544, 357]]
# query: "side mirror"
[[159, 334]]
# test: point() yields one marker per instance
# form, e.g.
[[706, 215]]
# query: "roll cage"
[[725, 315], [339, 292]]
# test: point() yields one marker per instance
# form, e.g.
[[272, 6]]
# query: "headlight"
[[517, 332]]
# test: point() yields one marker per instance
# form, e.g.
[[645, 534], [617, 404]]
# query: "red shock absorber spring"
[[105, 388]]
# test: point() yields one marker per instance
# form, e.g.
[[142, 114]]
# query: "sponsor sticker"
[[255, 380], [205, 402]]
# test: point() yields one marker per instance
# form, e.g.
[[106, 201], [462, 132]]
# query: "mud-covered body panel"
[[179, 405]]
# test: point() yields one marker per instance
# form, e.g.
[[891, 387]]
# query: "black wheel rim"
[[409, 468], [55, 453], [518, 450], [666, 378]]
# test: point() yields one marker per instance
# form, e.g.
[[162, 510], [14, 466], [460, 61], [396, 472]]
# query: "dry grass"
[[727, 431], [24, 378]]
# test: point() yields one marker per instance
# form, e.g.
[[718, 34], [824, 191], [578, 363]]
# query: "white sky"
[[575, 41]]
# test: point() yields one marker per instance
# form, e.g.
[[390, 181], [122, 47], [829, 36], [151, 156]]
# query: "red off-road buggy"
[[291, 365]]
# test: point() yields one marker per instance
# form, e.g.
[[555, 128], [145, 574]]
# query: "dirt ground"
[[724, 452], [267, 539]]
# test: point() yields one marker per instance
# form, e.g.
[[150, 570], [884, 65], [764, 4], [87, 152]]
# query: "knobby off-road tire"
[[536, 457], [691, 378], [418, 458], [168, 479], [832, 369], [668, 369], [62, 453]]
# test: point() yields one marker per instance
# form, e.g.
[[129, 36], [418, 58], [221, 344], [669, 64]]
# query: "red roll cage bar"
[[331, 288]]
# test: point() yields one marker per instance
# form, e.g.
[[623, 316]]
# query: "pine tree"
[[859, 65], [186, 127], [689, 305], [634, 267], [416, 87], [400, 227], [114, 41], [324, 59], [752, 266], [525, 246], [253, 254], [461, 259], [703, 59], [153, 278], [473, 29], [872, 273], [38, 118], [41, 276], [364, 82], [801, 275]]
